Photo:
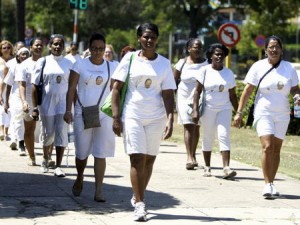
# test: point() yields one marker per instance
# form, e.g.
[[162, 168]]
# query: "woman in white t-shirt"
[[56, 71], [90, 78], [218, 83], [148, 110], [23, 77], [272, 108], [186, 70]]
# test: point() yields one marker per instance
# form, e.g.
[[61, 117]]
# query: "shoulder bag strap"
[[108, 69], [183, 65], [275, 66], [128, 72], [42, 73]]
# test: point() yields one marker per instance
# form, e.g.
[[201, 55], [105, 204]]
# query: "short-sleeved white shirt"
[[272, 96], [14, 96], [217, 84], [147, 80], [56, 77], [92, 79], [73, 58], [24, 73], [188, 76]]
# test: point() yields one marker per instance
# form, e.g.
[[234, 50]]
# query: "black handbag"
[[39, 87]]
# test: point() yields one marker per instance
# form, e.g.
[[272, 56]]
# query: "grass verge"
[[246, 148]]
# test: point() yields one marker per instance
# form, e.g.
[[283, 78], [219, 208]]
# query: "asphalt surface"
[[174, 196]]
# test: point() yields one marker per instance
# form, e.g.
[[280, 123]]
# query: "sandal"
[[99, 199], [77, 188], [190, 166]]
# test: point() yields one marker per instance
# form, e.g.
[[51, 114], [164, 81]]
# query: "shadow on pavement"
[[41, 195]]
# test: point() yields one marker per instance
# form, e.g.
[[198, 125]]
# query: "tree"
[[20, 18]]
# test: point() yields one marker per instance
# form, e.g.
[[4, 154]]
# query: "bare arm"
[[71, 95], [233, 98], [198, 91], [243, 101], [115, 101], [168, 98]]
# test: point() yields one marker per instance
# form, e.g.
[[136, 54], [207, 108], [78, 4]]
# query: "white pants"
[[143, 136], [17, 122], [98, 141], [216, 121]]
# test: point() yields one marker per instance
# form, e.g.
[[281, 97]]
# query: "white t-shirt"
[[14, 97], [147, 80], [92, 79], [24, 73], [56, 77], [217, 85], [188, 76], [272, 96], [73, 58]]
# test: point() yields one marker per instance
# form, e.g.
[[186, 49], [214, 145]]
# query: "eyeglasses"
[[94, 49], [7, 47], [274, 47]]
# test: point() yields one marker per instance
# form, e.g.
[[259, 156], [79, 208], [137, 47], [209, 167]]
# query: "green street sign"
[[78, 4]]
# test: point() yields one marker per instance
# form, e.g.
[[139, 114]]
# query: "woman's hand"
[[68, 117], [168, 129], [237, 120], [195, 116], [25, 107], [117, 126]]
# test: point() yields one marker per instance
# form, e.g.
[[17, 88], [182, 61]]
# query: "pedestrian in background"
[[110, 55], [218, 83], [185, 73], [23, 77], [277, 79], [55, 85], [89, 78], [148, 110]]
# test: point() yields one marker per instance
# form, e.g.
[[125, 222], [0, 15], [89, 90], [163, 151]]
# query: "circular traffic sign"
[[229, 34], [260, 40]]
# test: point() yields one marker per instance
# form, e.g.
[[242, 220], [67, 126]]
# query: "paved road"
[[175, 195]]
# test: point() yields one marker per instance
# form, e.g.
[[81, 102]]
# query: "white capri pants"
[[216, 121], [17, 121], [272, 124], [54, 130], [4, 117], [143, 136], [98, 141]]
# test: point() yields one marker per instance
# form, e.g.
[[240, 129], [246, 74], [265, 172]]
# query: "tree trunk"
[[20, 17]]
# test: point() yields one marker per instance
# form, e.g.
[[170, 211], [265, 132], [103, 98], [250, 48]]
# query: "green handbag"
[[107, 106]]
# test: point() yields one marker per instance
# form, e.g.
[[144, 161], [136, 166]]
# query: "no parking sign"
[[229, 34]]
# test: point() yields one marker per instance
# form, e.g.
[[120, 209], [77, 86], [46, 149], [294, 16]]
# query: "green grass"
[[246, 148]]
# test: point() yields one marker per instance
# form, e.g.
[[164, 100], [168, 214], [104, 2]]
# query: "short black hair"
[[273, 37], [96, 36], [150, 26], [211, 49]]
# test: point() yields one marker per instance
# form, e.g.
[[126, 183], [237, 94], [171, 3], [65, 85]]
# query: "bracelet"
[[239, 113], [68, 112]]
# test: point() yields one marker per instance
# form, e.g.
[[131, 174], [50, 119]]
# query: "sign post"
[[260, 42], [229, 35], [77, 5]]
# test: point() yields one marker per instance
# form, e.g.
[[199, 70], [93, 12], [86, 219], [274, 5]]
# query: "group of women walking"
[[61, 93]]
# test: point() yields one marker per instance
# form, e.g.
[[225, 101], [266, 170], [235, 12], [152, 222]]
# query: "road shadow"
[[41, 195]]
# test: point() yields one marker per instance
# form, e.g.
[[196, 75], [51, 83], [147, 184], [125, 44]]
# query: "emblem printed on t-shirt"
[[280, 85], [58, 79], [148, 83], [99, 80], [221, 88]]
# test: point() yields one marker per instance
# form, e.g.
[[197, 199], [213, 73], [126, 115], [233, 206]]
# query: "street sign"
[[260, 40], [78, 4], [229, 34]]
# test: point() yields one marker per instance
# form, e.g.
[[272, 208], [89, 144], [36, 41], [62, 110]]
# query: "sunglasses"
[[57, 36], [8, 47]]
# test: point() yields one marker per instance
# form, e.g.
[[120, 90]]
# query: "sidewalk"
[[175, 195]]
